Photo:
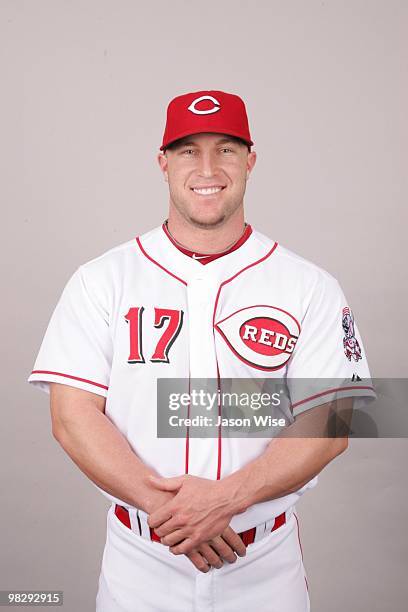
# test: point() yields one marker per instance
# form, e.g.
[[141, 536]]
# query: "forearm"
[[285, 466], [103, 454]]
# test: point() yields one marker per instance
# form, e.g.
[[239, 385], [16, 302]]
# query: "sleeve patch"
[[352, 349]]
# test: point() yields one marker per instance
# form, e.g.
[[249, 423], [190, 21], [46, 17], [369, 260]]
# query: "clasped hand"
[[195, 522]]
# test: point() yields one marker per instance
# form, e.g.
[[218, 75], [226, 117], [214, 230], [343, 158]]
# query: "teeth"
[[207, 191]]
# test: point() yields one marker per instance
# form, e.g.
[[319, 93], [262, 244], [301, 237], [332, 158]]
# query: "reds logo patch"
[[351, 346], [263, 337], [208, 111]]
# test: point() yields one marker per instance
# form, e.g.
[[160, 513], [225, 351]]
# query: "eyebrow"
[[192, 142]]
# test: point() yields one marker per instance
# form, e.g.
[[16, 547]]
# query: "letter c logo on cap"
[[214, 109]]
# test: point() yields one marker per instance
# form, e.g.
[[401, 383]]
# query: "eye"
[[227, 149], [188, 151]]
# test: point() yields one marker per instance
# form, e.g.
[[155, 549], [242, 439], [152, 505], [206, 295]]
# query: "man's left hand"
[[200, 511]]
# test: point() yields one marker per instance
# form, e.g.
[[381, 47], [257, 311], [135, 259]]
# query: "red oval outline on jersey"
[[266, 315]]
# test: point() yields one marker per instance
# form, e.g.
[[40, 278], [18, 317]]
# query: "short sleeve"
[[77, 347], [329, 360]]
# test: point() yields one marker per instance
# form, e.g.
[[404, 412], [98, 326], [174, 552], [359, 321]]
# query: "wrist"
[[246, 486], [235, 488]]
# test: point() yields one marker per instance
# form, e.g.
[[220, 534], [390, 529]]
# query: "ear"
[[163, 163], [251, 160]]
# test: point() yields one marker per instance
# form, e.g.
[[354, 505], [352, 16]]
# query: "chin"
[[207, 221]]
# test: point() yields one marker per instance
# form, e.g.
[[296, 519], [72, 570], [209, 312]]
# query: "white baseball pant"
[[139, 575]]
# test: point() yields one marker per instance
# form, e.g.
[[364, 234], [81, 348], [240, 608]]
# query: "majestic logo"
[[213, 109], [350, 343], [261, 336]]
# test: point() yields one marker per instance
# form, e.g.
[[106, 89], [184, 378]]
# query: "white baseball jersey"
[[145, 310]]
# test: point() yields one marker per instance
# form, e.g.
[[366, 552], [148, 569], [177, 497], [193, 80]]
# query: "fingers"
[[204, 557], [160, 516], [198, 561], [235, 541], [166, 484], [223, 549], [185, 547], [227, 545], [172, 538], [210, 555], [168, 526]]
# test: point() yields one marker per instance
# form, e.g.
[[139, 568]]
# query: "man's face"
[[214, 162]]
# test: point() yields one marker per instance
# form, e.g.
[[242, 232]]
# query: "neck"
[[206, 240]]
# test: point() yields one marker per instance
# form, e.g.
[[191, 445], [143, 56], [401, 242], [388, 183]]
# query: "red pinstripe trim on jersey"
[[90, 382], [307, 399], [300, 545], [255, 263], [188, 427], [219, 426], [258, 261], [157, 263]]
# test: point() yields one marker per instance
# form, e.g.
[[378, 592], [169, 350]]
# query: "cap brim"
[[189, 133]]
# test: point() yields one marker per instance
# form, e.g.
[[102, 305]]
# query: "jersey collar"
[[206, 258], [156, 246]]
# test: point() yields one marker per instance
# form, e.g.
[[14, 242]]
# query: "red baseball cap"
[[206, 111]]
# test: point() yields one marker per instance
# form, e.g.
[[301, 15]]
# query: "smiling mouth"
[[206, 191]]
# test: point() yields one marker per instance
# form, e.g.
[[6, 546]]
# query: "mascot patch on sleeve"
[[350, 343]]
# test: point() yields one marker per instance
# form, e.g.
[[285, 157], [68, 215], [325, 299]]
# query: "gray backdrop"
[[85, 86]]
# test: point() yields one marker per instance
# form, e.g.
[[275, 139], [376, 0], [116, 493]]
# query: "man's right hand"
[[213, 553], [226, 547]]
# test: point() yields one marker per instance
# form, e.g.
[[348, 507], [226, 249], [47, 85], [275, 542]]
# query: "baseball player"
[[199, 523]]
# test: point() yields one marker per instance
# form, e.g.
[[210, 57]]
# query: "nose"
[[207, 164]]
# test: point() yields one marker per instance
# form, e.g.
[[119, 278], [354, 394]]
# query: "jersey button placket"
[[200, 297], [202, 356]]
